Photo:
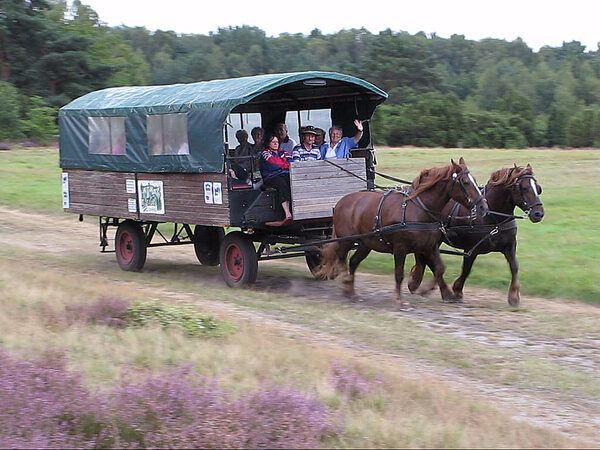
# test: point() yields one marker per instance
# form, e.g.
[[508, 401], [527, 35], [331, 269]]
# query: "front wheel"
[[313, 261], [238, 260], [130, 246]]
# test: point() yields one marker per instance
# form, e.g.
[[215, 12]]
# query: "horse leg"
[[514, 292], [459, 283], [399, 259], [416, 273], [438, 268], [416, 276], [361, 253]]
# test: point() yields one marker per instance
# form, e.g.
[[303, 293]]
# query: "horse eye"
[[539, 189]]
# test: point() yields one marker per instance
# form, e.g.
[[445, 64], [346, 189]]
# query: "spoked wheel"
[[239, 263], [207, 241], [130, 246], [313, 261]]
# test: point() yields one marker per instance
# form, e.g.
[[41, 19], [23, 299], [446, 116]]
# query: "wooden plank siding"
[[318, 185], [102, 193]]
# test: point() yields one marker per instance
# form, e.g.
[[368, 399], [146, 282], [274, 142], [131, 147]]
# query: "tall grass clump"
[[45, 406]]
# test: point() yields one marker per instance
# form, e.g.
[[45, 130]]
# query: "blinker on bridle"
[[527, 208], [478, 200]]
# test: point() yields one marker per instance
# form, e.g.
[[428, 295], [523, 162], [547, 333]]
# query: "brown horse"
[[496, 232], [412, 221]]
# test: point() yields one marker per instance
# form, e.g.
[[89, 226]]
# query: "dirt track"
[[484, 318]]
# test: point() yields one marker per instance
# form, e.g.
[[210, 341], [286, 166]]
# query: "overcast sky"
[[537, 22]]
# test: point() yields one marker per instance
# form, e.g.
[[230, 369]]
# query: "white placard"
[[208, 192], [151, 197], [217, 193], [66, 202], [131, 205], [130, 185]]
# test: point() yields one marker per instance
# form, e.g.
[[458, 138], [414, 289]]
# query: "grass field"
[[442, 376], [559, 257]]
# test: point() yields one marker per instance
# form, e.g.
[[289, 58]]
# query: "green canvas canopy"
[[120, 129]]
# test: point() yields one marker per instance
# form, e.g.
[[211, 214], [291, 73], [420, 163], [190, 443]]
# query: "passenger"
[[285, 141], [306, 150], [242, 164], [275, 171], [339, 146], [257, 134], [320, 137]]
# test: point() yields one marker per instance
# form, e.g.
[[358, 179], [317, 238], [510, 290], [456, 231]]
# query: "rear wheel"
[[207, 241], [239, 263], [130, 246], [313, 261]]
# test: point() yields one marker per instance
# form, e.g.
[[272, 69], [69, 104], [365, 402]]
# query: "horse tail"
[[331, 263]]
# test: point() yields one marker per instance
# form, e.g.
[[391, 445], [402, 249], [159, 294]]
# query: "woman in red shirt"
[[275, 171]]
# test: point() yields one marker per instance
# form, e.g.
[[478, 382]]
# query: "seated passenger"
[[275, 171], [306, 150], [339, 146], [285, 141], [241, 163], [257, 134], [320, 137]]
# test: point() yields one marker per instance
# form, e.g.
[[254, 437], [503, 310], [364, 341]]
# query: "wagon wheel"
[[130, 246], [313, 261], [239, 263], [206, 244]]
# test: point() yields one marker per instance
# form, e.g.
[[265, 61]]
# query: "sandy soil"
[[484, 317]]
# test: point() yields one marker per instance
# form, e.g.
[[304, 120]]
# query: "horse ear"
[[515, 164], [529, 166], [462, 161]]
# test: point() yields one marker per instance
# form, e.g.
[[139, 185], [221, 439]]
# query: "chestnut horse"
[[408, 220], [496, 232]]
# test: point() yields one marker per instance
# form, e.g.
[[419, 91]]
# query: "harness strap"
[[377, 225]]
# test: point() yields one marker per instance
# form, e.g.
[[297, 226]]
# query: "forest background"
[[448, 92]]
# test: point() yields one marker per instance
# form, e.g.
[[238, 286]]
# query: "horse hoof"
[[514, 302], [404, 306], [452, 299]]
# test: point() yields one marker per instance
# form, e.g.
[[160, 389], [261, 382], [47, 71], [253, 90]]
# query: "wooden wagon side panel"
[[201, 199], [98, 193], [318, 185], [183, 198]]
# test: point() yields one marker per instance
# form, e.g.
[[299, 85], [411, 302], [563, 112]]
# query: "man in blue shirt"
[[339, 146]]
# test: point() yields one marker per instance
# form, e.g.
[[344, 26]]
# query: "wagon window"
[[106, 135], [167, 134], [320, 118]]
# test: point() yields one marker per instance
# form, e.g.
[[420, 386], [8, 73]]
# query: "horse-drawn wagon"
[[138, 157]]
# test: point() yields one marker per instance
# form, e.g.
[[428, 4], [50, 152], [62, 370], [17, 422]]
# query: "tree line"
[[442, 91]]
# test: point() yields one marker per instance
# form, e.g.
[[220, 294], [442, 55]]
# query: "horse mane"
[[429, 177], [509, 175]]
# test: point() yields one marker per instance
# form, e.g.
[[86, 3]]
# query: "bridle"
[[518, 188], [456, 177]]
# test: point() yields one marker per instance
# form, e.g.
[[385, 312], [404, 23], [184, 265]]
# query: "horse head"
[[464, 189], [522, 188]]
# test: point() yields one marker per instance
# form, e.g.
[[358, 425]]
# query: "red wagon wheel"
[[130, 246], [238, 260]]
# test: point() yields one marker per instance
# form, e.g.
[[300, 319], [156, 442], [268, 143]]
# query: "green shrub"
[[182, 317], [40, 121]]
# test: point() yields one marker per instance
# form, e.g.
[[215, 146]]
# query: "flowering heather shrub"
[[169, 411], [351, 383], [109, 311], [44, 406]]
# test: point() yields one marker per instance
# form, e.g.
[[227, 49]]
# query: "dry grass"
[[405, 413]]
